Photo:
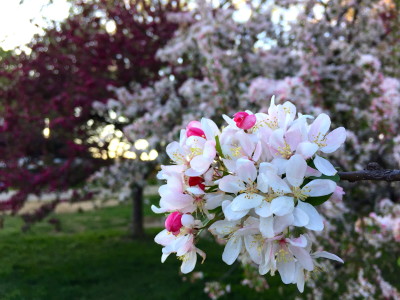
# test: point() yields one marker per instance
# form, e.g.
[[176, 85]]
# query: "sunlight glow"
[[141, 144], [19, 22]]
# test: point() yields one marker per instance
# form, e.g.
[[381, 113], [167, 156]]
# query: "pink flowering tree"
[[337, 59], [47, 126]]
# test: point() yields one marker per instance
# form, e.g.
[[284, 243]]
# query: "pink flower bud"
[[194, 129], [337, 195], [173, 222], [197, 181], [244, 120]]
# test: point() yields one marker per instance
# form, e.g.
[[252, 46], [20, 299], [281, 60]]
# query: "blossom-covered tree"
[[47, 125], [335, 57]]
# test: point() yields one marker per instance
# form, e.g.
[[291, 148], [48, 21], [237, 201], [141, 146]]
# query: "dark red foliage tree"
[[54, 86]]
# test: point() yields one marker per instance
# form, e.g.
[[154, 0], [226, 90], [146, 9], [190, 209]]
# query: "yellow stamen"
[[300, 193], [285, 151], [320, 140], [283, 256]]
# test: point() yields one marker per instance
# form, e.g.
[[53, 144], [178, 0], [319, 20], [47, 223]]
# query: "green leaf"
[[310, 163], [218, 146], [318, 200], [335, 178], [211, 189], [216, 211]]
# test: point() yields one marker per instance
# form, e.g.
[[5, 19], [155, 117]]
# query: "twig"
[[372, 172]]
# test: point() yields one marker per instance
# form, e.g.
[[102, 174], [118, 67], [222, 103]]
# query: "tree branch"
[[372, 172]]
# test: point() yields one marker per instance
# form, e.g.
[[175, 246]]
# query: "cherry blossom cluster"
[[254, 184]]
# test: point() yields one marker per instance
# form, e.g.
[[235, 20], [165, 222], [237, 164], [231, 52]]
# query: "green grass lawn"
[[93, 258]]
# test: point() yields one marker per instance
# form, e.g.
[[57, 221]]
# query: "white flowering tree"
[[334, 57]]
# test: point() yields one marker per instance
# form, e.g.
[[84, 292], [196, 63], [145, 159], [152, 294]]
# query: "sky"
[[21, 19], [19, 22]]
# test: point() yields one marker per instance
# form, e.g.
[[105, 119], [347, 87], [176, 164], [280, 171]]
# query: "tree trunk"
[[137, 229]]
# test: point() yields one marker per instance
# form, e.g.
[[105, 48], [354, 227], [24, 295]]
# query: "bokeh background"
[[92, 91]]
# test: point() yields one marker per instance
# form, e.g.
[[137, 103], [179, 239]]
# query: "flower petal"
[[232, 250], [246, 201], [157, 210], [319, 127], [246, 143], [164, 256], [328, 255], [265, 168], [253, 248], [282, 205], [294, 136], [164, 238], [262, 183], [200, 163], [306, 149], [299, 278], [280, 165], [319, 187], [210, 128], [209, 150], [230, 122], [189, 262], [266, 227], [303, 257], [231, 184], [300, 217], [300, 241], [257, 152], [324, 166], [286, 270], [195, 190], [295, 170], [264, 209], [230, 214], [246, 170], [187, 220], [315, 220], [176, 153], [223, 227], [278, 184], [277, 141], [334, 140], [213, 200], [282, 222]]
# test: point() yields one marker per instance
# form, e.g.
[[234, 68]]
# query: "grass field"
[[93, 258]]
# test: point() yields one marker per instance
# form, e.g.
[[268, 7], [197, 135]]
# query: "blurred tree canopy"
[[47, 95]]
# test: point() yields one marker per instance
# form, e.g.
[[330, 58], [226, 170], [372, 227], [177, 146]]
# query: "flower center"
[[271, 195], [283, 255], [285, 151], [300, 193], [183, 257], [251, 188], [320, 140], [195, 151], [236, 151], [178, 157]]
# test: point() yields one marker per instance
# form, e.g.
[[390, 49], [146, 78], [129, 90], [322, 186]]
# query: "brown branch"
[[372, 172]]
